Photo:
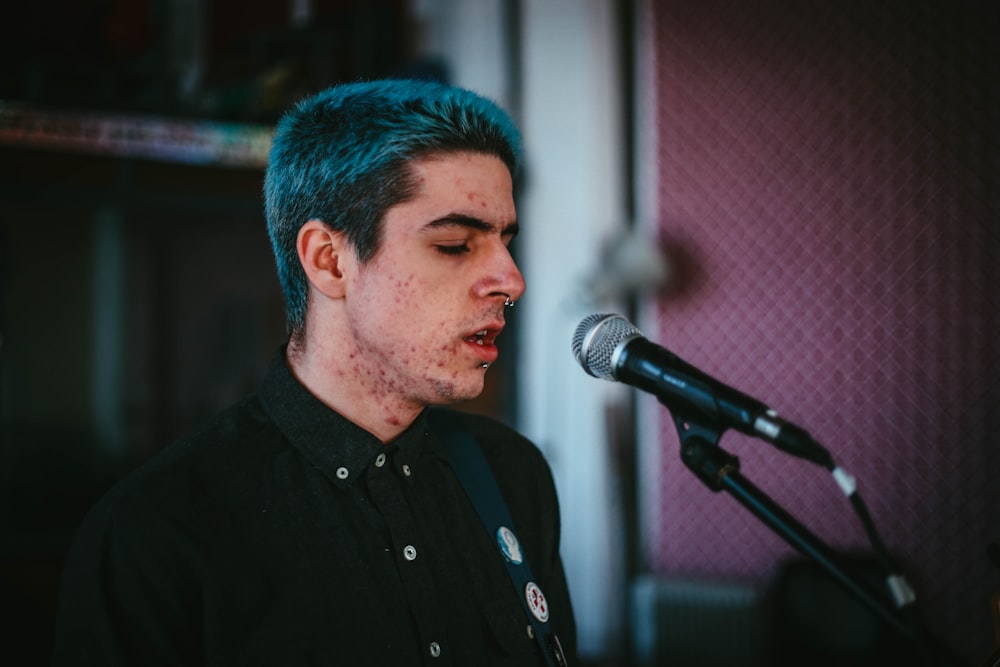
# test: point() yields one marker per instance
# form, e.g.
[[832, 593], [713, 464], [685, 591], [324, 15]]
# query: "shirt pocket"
[[509, 628]]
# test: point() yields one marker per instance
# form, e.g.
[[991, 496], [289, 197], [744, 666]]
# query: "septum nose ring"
[[507, 301]]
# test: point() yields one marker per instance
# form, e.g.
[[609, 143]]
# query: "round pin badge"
[[536, 601], [509, 546]]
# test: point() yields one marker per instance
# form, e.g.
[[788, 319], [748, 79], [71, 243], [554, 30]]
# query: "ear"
[[323, 253]]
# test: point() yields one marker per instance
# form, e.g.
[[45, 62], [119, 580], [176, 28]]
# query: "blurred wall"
[[573, 114], [826, 185]]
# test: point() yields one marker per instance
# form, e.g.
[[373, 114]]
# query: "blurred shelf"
[[183, 141]]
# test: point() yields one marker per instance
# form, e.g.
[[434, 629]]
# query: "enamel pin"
[[536, 602], [511, 548]]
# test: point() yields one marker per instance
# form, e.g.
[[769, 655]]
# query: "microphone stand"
[[719, 470]]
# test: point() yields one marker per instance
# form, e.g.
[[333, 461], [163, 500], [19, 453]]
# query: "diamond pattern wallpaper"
[[828, 193]]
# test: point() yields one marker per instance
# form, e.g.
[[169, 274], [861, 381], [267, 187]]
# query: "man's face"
[[424, 312]]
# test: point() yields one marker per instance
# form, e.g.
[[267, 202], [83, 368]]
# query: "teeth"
[[479, 336]]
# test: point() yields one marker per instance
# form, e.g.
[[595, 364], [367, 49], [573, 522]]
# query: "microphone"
[[610, 347]]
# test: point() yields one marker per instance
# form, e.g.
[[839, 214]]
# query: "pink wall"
[[828, 181]]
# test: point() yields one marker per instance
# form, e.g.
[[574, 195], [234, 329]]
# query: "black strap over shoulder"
[[477, 480]]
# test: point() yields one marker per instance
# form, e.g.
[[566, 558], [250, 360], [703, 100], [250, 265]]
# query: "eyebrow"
[[471, 222]]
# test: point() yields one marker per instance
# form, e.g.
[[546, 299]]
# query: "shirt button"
[[342, 472], [410, 552], [435, 649], [380, 460], [406, 470]]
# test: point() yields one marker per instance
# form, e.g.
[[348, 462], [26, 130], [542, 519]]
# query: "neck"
[[323, 370]]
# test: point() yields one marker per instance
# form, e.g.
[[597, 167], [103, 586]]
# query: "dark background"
[[137, 289]]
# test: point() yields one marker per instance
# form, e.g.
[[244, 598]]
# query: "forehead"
[[467, 184], [466, 169]]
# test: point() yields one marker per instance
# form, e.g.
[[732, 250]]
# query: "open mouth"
[[484, 343], [484, 337]]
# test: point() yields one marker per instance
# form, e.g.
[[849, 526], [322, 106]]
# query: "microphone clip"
[[701, 453]]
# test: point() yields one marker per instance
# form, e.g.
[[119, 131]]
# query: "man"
[[322, 521]]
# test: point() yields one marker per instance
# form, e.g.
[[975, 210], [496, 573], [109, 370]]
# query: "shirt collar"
[[337, 446]]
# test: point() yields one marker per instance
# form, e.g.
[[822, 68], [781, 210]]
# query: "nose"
[[503, 278]]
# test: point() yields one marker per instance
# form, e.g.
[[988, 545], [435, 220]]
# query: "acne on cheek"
[[358, 370], [400, 287]]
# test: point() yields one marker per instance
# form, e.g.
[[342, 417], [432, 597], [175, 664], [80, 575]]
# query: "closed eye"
[[453, 249]]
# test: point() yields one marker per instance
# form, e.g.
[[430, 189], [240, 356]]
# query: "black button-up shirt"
[[283, 534]]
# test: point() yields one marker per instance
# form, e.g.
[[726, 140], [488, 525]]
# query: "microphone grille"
[[596, 339]]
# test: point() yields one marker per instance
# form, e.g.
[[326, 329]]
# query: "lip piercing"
[[486, 365]]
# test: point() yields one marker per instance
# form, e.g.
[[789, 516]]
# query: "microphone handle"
[[693, 395], [682, 387]]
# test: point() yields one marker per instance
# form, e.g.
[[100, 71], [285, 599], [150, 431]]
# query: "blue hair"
[[342, 156]]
